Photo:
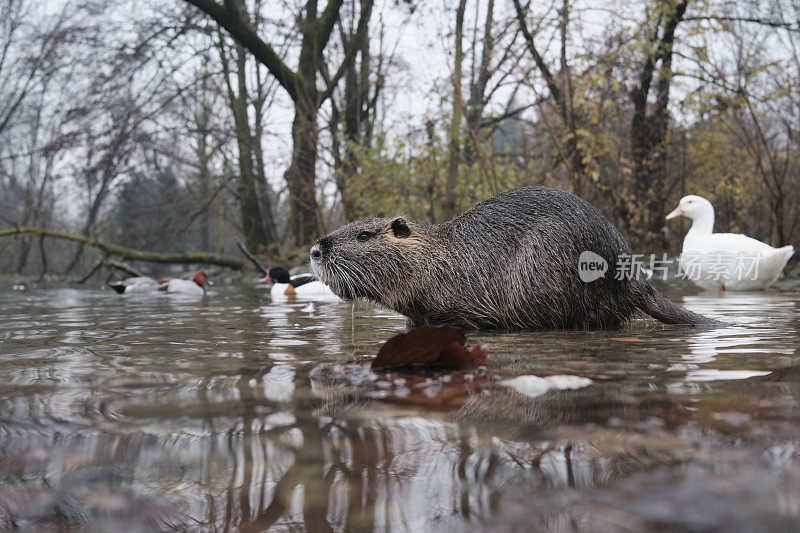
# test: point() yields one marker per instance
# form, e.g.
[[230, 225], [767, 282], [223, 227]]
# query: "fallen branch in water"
[[95, 268], [119, 265], [253, 259], [129, 253]]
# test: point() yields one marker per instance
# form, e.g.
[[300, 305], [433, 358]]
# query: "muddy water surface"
[[156, 413]]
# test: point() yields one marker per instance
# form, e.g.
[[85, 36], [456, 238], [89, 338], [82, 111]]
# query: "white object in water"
[[138, 284], [305, 286], [533, 386], [193, 287], [725, 261]]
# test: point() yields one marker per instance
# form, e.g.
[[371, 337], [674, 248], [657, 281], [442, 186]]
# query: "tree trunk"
[[355, 117], [356, 111], [648, 144], [780, 220], [577, 163], [267, 194], [203, 156], [205, 188], [249, 206], [301, 87], [25, 250], [572, 155], [454, 148], [264, 186], [301, 175], [649, 136], [90, 221], [477, 89]]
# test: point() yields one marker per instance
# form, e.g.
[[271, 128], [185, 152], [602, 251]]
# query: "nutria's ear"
[[400, 228]]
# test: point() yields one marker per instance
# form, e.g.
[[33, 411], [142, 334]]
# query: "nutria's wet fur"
[[510, 262]]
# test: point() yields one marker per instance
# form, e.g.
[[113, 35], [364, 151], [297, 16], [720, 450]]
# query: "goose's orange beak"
[[677, 213]]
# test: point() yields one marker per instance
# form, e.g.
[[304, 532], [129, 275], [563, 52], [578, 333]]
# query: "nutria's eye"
[[363, 236]]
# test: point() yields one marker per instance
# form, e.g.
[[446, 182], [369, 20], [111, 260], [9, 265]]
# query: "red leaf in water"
[[422, 390], [479, 354], [452, 355], [439, 346], [418, 346], [455, 356]]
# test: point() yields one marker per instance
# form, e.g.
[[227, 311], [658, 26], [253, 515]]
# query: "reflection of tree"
[[260, 463], [305, 472], [357, 464], [336, 472]]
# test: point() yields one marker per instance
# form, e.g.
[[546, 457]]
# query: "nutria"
[[510, 262]]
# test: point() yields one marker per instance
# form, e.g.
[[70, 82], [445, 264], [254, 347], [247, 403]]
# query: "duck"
[[194, 286], [304, 285], [725, 261], [138, 284]]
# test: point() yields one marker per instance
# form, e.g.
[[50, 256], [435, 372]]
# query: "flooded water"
[[157, 413]]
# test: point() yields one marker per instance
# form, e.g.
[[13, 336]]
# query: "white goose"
[[725, 261]]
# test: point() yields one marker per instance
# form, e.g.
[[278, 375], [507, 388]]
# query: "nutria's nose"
[[316, 253]]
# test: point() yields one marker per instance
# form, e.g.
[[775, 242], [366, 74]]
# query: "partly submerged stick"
[[130, 253], [253, 259]]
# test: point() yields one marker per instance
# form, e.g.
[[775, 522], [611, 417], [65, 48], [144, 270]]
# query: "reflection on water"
[[154, 413]]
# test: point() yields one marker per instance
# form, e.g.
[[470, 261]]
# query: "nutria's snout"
[[320, 254], [321, 249], [316, 260]]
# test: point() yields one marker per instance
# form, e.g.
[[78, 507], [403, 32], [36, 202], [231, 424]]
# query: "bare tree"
[[495, 63], [650, 122], [760, 93], [354, 111], [561, 94], [105, 163], [301, 87], [454, 134], [255, 195], [30, 119]]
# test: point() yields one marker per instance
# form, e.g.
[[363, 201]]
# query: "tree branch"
[[491, 121], [662, 52], [129, 253], [241, 30], [350, 54], [552, 84], [754, 20], [253, 259], [119, 265], [327, 21]]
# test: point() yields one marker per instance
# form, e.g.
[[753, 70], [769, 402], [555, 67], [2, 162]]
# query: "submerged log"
[[130, 253]]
